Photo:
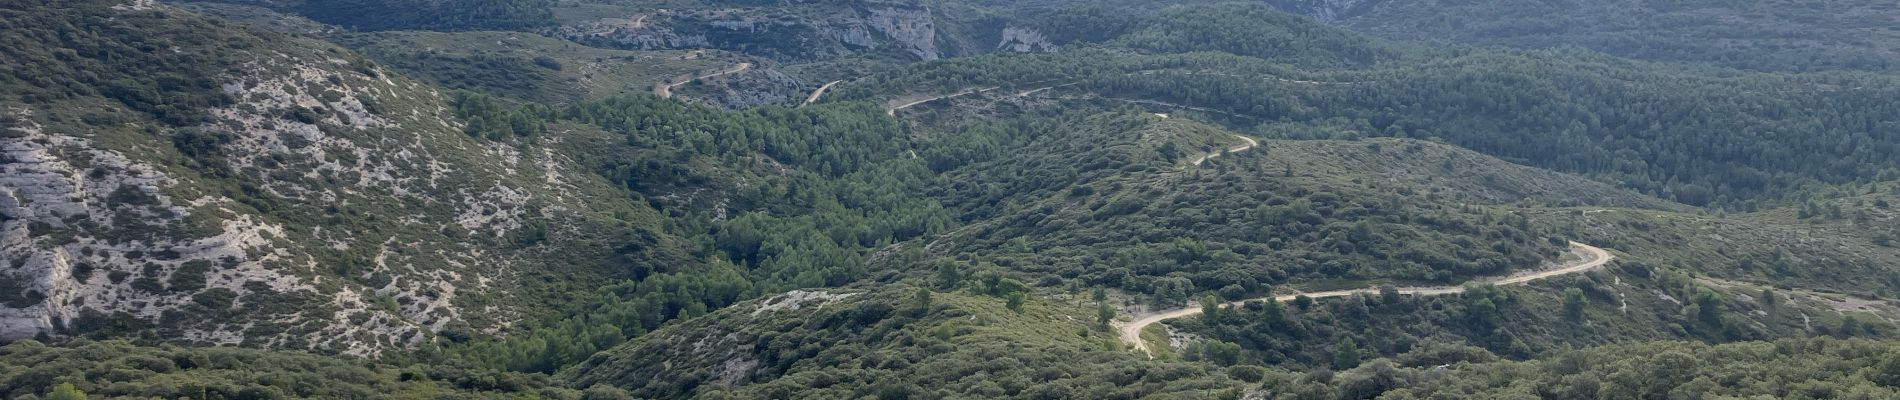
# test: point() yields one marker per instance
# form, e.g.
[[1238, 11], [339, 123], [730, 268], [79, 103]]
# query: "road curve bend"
[[1593, 257], [1235, 149], [892, 110], [665, 89], [815, 94]]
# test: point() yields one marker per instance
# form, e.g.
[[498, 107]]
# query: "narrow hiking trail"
[[1841, 303], [815, 94], [1157, 103], [665, 89], [1236, 149], [1273, 78], [893, 109], [1026, 93], [1593, 257]]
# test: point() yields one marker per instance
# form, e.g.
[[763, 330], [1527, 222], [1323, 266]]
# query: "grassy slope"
[[1097, 197], [1620, 305], [1776, 247], [878, 342]]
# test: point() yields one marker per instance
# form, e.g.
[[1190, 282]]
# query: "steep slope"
[[182, 179]]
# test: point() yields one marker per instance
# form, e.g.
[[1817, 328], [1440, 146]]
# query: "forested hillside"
[[1773, 35], [1649, 127], [894, 342], [945, 200], [1237, 223]]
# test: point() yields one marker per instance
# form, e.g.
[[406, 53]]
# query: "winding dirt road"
[[815, 94], [1303, 82], [665, 89], [1045, 88], [1236, 149], [1593, 257], [893, 109]]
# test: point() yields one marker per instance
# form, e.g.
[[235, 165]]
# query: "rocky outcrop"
[[793, 300], [646, 32], [328, 206], [857, 36], [753, 88], [91, 232], [1025, 40], [105, 229], [914, 29]]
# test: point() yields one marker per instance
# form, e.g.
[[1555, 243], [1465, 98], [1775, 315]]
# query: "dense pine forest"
[[1042, 199]]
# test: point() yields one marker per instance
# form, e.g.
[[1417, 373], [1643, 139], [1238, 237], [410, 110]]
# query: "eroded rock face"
[[753, 88], [913, 29], [796, 299], [854, 36], [635, 32], [1025, 40], [331, 207], [91, 233]]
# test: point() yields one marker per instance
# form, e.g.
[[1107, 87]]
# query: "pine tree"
[[1389, 295], [1850, 327], [1346, 355], [1573, 304], [1273, 316], [1302, 302], [1210, 308], [1887, 371], [65, 391], [921, 301]]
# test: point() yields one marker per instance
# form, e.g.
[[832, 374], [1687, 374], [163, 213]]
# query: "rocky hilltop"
[[318, 201]]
